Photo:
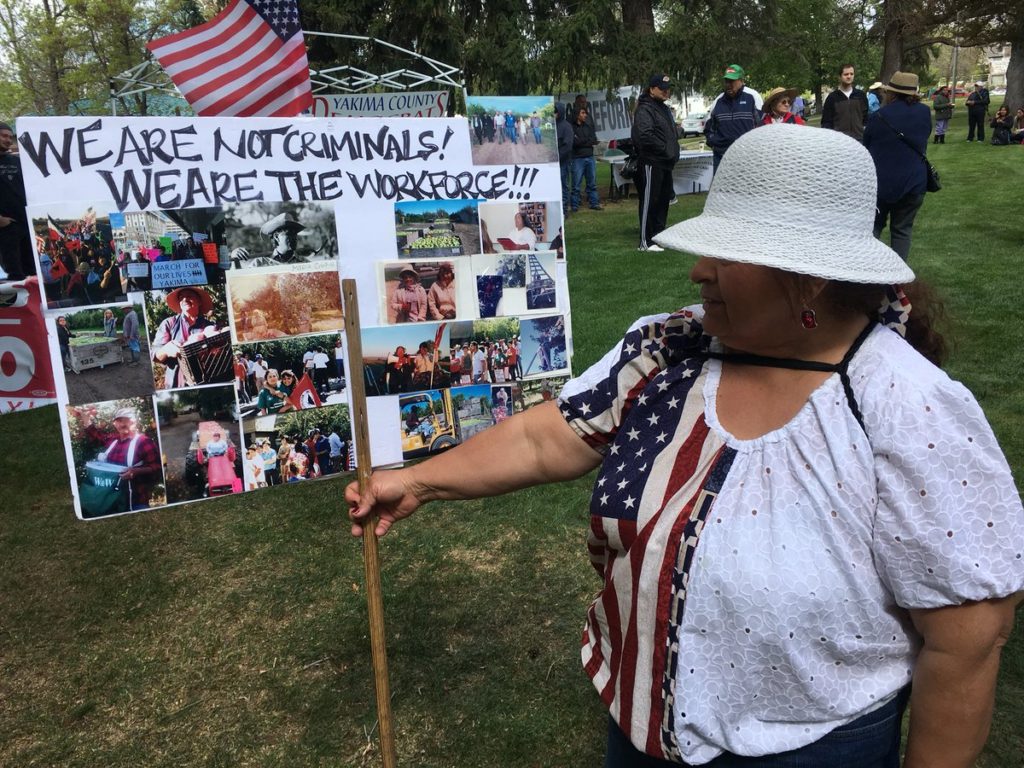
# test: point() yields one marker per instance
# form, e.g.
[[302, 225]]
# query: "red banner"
[[26, 377], [304, 395]]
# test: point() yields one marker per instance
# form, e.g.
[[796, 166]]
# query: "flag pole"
[[371, 559]]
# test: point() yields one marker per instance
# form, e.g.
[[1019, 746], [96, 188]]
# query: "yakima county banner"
[[191, 275], [387, 104]]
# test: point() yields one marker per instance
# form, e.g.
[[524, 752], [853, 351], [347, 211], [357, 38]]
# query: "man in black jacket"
[[656, 143], [563, 130], [846, 108], [584, 139], [977, 110], [15, 244]]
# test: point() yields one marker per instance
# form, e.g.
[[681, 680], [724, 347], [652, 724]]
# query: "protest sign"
[[26, 378], [172, 274], [612, 115], [235, 333]]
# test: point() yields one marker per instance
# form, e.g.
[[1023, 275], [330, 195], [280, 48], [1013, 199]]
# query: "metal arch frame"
[[150, 76]]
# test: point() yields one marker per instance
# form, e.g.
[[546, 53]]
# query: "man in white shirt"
[[320, 362], [479, 363]]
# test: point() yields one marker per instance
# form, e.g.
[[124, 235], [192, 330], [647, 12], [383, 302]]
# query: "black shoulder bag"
[[932, 183]]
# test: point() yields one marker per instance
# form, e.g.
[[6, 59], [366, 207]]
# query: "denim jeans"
[[566, 171], [900, 216], [871, 741], [584, 168]]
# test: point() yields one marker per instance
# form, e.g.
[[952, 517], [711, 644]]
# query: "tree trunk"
[[894, 34], [638, 16], [1015, 74]]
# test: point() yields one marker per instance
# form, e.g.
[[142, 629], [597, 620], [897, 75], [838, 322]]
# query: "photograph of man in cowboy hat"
[[272, 234]]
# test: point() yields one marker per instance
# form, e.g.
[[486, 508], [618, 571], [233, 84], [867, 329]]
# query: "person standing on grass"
[[901, 172], [130, 332], [846, 108], [943, 107], [655, 139], [584, 167], [734, 113], [563, 132], [800, 522], [977, 109]]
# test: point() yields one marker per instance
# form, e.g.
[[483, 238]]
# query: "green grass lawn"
[[233, 632]]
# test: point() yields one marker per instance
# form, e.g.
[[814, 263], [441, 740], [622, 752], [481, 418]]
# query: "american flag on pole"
[[248, 60]]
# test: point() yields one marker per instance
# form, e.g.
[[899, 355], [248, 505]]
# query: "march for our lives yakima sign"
[[286, 207]]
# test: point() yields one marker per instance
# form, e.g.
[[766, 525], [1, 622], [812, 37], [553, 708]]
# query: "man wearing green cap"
[[733, 114]]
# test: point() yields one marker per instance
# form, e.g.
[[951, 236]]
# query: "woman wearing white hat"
[[897, 138], [796, 514]]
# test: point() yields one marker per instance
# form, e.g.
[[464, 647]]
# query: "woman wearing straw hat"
[[776, 107], [897, 138], [796, 513], [190, 306], [409, 301]]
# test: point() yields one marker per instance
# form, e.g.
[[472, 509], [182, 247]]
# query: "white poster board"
[[285, 208]]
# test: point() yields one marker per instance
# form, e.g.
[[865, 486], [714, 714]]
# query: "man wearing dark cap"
[[15, 245], [977, 109], [656, 142], [734, 113]]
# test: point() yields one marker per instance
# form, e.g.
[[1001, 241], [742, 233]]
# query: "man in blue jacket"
[[734, 113], [656, 143]]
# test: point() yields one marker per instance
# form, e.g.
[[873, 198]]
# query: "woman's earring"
[[808, 319]]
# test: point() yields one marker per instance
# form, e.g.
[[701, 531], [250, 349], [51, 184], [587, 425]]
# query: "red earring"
[[808, 319]]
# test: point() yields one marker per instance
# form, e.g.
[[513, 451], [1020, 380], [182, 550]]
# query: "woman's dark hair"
[[909, 98], [927, 316]]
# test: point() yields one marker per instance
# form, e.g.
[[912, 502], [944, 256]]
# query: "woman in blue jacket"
[[897, 138]]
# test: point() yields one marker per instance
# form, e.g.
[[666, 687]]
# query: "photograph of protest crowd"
[[116, 456], [274, 303], [273, 234], [190, 343], [420, 291], [437, 228], [295, 446], [405, 358], [507, 130], [200, 442], [172, 248], [290, 374], [486, 351], [76, 253], [105, 353]]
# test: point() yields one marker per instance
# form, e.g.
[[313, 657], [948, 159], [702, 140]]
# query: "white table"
[[691, 174]]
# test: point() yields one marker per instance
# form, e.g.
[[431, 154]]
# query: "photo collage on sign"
[[472, 328], [212, 337]]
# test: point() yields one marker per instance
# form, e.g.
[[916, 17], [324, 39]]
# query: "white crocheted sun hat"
[[798, 199]]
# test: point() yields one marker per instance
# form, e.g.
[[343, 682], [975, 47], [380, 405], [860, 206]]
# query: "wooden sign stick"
[[371, 558]]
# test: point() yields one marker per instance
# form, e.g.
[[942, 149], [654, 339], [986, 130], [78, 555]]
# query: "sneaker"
[[674, 200], [596, 208], [652, 247]]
